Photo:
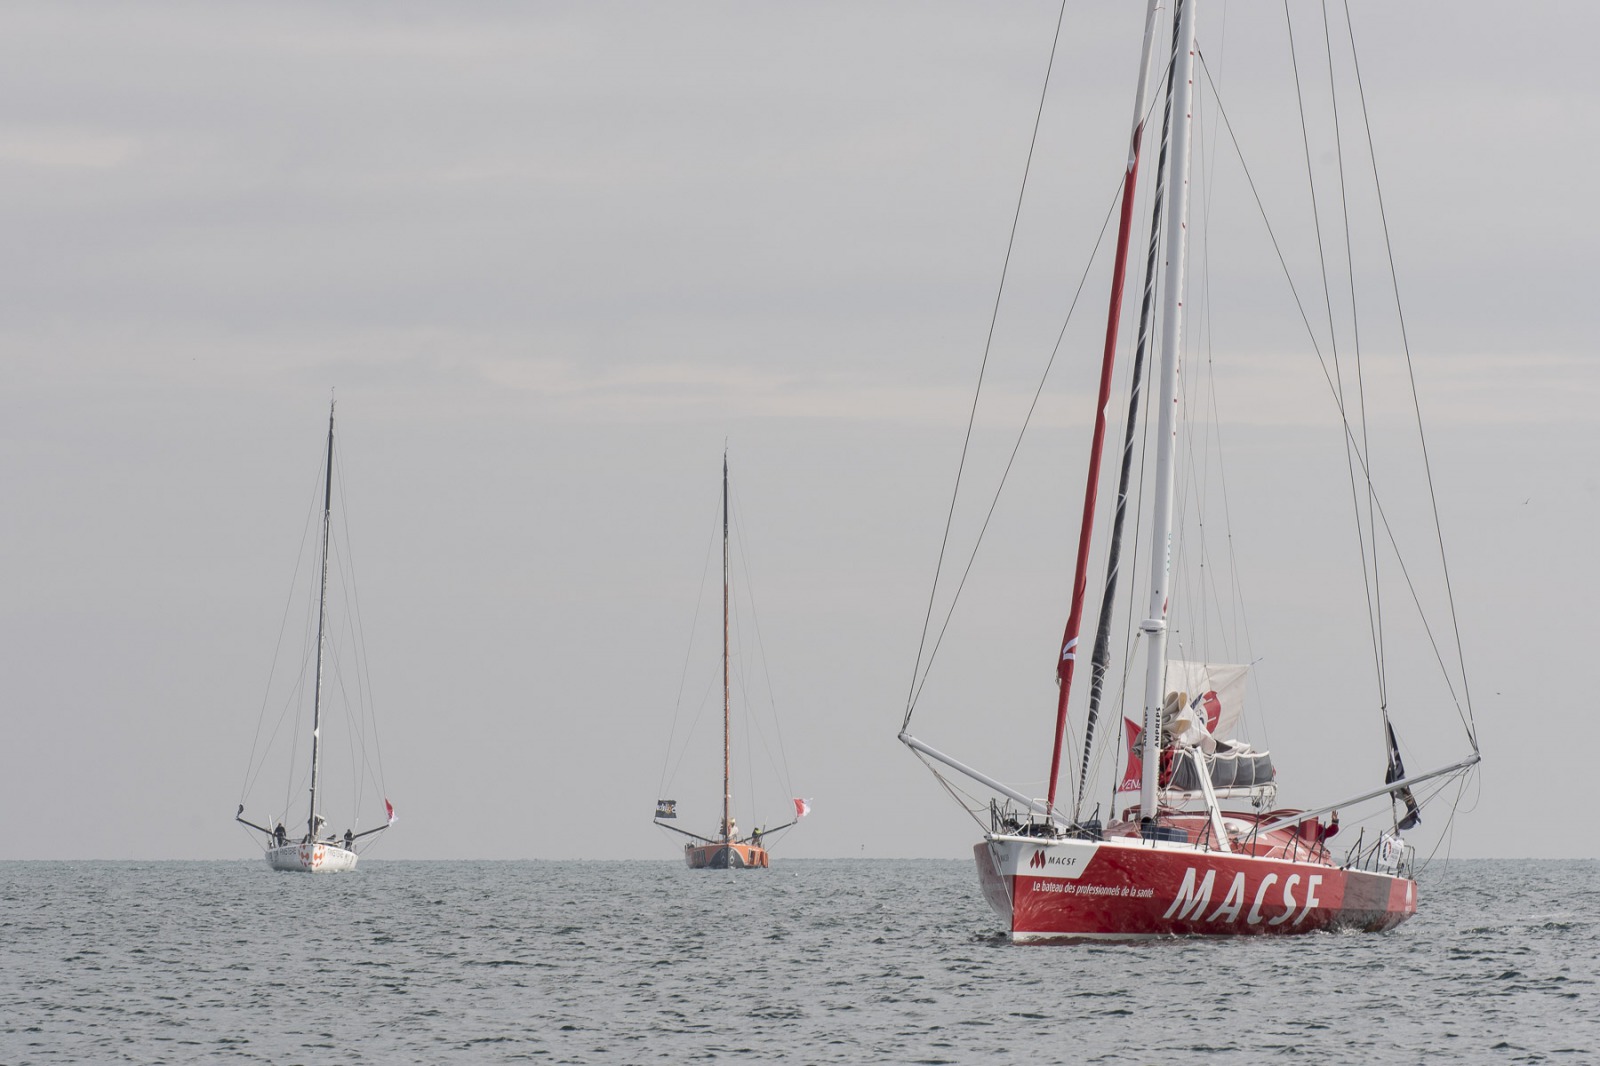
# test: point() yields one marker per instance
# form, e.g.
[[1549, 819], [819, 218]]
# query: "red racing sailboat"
[[1205, 849]]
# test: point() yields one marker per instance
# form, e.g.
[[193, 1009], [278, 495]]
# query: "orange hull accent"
[[728, 856]]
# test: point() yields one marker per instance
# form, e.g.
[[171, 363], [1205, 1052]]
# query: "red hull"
[[1127, 888]]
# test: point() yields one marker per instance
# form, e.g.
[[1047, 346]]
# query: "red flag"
[[389, 807], [1133, 776], [801, 808]]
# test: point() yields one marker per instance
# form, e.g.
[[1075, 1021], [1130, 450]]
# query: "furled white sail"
[[1210, 703]]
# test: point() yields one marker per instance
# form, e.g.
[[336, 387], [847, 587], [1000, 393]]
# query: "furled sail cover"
[[1231, 767], [1204, 705]]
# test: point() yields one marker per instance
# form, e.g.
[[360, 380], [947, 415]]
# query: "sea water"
[[811, 961]]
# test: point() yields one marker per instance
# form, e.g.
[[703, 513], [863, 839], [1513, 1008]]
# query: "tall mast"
[[727, 763], [322, 614], [1108, 358], [1100, 659], [1154, 625]]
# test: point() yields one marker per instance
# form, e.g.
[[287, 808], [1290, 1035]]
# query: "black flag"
[[1397, 772]]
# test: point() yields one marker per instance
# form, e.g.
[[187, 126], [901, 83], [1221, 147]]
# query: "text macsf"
[[1192, 899]]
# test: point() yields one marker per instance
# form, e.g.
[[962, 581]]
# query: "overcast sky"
[[552, 257]]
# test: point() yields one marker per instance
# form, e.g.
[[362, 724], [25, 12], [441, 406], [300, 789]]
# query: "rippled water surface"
[[812, 961]]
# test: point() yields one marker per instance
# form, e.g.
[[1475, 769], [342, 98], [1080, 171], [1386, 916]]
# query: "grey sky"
[[552, 256]]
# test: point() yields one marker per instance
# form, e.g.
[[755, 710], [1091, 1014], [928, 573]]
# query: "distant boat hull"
[[725, 856], [1125, 888], [319, 858]]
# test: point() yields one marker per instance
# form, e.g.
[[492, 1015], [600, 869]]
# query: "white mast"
[[1154, 625]]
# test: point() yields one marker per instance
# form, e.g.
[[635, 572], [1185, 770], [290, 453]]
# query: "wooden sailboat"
[[312, 851], [1204, 850], [727, 848]]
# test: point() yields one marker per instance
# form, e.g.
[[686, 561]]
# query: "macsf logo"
[[1037, 862]]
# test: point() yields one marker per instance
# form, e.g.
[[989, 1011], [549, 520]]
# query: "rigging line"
[[746, 715], [761, 645], [1229, 626], [1447, 838], [713, 679], [308, 649], [298, 696], [1316, 214], [736, 658], [988, 343], [1360, 459], [746, 705], [353, 719], [1192, 487], [1431, 791], [1236, 628], [1367, 577], [1012, 458], [291, 701], [1375, 607], [253, 772], [353, 710], [754, 728], [1416, 403], [971, 804], [1237, 599], [712, 685], [356, 747], [351, 722], [1213, 424], [683, 678], [1130, 650], [752, 722], [1201, 339], [1283, 264], [358, 632], [1211, 590]]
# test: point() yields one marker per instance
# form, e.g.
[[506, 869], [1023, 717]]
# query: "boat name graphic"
[[1295, 893]]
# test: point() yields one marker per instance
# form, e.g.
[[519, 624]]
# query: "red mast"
[[1080, 579]]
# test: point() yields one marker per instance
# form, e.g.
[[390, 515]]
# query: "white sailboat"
[[314, 851], [1205, 850]]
